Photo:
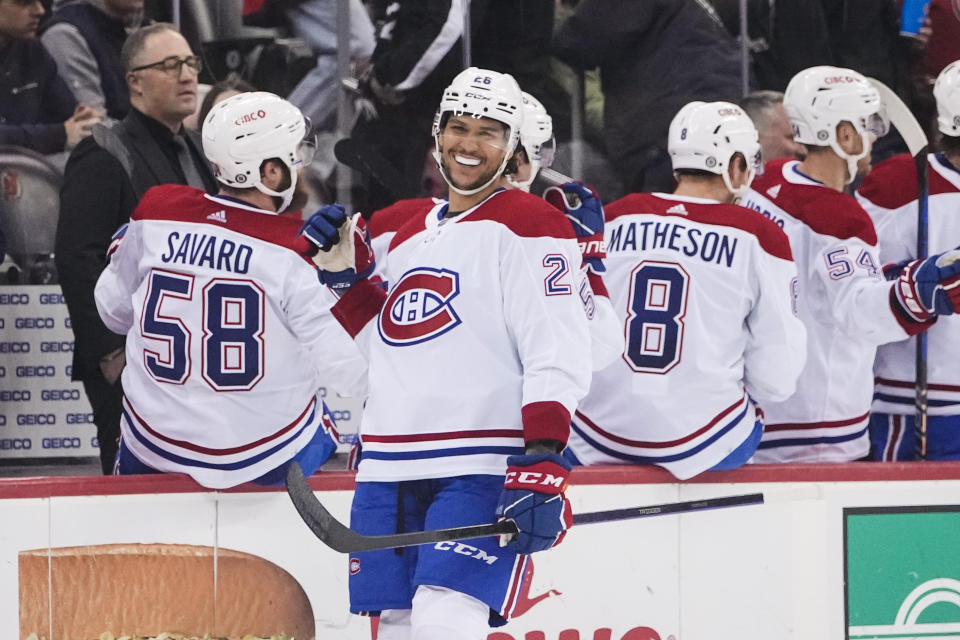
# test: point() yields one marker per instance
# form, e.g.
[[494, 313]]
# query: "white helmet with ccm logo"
[[707, 135], [243, 131], [820, 98], [482, 94]]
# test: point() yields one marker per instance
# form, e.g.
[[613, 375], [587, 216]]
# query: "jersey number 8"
[[655, 310]]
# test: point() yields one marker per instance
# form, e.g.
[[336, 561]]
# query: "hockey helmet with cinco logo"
[[707, 135], [243, 131], [818, 99]]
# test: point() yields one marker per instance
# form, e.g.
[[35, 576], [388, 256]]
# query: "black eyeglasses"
[[173, 65]]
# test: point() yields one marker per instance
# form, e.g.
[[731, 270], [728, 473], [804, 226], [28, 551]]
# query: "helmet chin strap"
[[852, 160], [743, 188], [525, 184], [286, 196], [438, 158]]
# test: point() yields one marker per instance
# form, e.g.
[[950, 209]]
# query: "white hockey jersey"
[[229, 333], [606, 336], [706, 296], [889, 195], [480, 345], [844, 303]]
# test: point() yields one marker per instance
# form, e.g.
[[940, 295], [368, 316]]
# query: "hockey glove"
[[585, 213], [930, 286], [345, 255], [533, 497]]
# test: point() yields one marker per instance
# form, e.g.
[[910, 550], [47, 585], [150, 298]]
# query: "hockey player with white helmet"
[[842, 298], [228, 332], [889, 195], [705, 290], [479, 353], [537, 144]]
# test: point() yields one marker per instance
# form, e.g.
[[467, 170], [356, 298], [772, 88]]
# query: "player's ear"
[[272, 173]]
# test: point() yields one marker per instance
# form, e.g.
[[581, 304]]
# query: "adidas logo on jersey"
[[679, 209], [218, 216], [774, 191]]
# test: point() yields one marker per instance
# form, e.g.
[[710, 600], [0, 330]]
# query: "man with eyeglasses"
[[106, 176]]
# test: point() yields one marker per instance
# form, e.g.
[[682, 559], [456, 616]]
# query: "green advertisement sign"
[[902, 572]]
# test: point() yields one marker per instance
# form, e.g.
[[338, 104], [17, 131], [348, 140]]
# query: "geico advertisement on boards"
[[43, 413]]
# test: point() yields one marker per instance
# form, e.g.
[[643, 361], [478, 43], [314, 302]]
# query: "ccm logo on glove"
[[523, 480]]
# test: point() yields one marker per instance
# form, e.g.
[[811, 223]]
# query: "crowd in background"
[[73, 89]]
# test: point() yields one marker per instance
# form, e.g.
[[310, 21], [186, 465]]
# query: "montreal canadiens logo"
[[418, 308]]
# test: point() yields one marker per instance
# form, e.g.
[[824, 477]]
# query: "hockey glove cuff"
[[345, 255], [533, 497], [930, 286], [584, 210]]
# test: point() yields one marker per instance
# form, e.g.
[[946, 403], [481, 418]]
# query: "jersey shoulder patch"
[[410, 217], [771, 177], [179, 203], [828, 212], [390, 219], [632, 204], [524, 214], [770, 236], [891, 183]]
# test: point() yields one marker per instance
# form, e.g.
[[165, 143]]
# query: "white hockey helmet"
[[707, 135], [482, 94], [243, 131], [947, 93], [536, 136], [818, 99]]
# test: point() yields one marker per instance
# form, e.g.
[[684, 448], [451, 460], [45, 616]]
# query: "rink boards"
[[855, 551]]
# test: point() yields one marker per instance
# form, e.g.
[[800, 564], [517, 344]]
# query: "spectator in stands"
[[105, 177], [315, 22], [654, 57], [766, 110], [37, 109], [85, 38]]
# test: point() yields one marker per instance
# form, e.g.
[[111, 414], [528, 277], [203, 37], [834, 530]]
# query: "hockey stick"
[[912, 133], [345, 540], [554, 178], [370, 163]]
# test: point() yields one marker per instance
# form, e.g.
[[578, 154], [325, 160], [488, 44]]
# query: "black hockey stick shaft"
[[922, 409], [913, 135], [345, 540]]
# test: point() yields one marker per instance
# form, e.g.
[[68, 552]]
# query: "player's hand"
[[345, 255], [80, 124], [585, 213], [533, 497], [930, 286], [323, 227], [112, 364]]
